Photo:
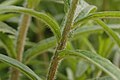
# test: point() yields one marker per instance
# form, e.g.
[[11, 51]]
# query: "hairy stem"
[[20, 43], [23, 28], [62, 44], [22, 36]]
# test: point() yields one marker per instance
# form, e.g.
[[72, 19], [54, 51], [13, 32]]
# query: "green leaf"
[[46, 44], [8, 45], [55, 1], [91, 29], [32, 3], [96, 59], [24, 69], [42, 16], [105, 45], [116, 58], [102, 78], [70, 74], [82, 66], [109, 31], [83, 9], [9, 2], [4, 17], [105, 14], [87, 10], [39, 48], [69, 46], [6, 29], [66, 5]]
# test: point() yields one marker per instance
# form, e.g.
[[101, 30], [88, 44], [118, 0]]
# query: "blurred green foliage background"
[[70, 68]]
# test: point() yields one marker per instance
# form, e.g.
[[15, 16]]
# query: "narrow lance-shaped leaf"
[[45, 18], [24, 69], [105, 45], [105, 14], [55, 1], [109, 31], [39, 48], [33, 3], [8, 44], [83, 9], [6, 29], [66, 5], [46, 44], [102, 78], [10, 2], [86, 11], [82, 66], [4, 17], [69, 74], [99, 61], [92, 29]]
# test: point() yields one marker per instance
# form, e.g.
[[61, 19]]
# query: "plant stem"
[[20, 43], [23, 28], [22, 35], [62, 44]]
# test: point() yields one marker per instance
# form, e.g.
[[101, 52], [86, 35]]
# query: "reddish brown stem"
[[62, 44]]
